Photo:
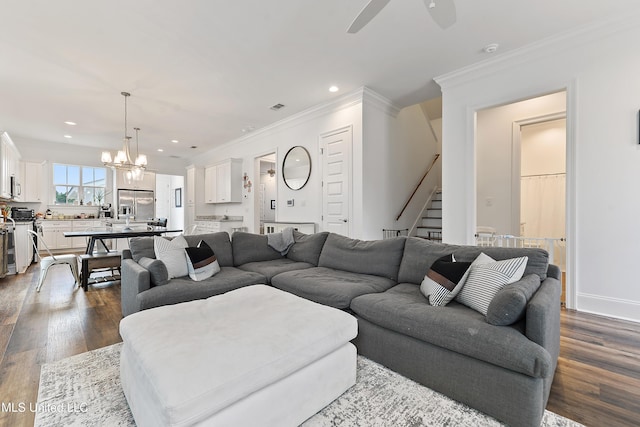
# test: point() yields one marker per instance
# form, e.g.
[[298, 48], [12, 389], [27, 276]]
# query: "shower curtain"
[[542, 206]]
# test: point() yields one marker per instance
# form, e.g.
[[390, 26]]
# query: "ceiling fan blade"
[[443, 13], [367, 14]]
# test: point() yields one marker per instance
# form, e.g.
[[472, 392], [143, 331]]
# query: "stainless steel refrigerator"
[[141, 204]]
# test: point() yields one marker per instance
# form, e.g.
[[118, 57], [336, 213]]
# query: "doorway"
[[522, 164], [266, 193]]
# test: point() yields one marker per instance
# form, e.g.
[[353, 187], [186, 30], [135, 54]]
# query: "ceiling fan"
[[443, 13]]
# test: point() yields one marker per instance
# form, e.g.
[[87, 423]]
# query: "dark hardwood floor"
[[597, 381]]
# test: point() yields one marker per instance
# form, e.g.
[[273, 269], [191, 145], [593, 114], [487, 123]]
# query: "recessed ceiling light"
[[70, 123], [334, 89], [68, 136], [175, 141], [491, 48], [160, 150]]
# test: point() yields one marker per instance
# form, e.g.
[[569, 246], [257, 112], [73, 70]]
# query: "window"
[[79, 184]]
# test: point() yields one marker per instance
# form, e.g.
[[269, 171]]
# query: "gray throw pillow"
[[307, 247], [157, 271], [141, 247], [510, 303]]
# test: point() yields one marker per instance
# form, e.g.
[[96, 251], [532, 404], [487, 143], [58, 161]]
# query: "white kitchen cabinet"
[[23, 246], [277, 227], [31, 180], [190, 190], [52, 233], [223, 182], [148, 181], [210, 184], [205, 227], [9, 167]]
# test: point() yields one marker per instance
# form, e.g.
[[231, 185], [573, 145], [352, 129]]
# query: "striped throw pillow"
[[444, 280], [486, 280]]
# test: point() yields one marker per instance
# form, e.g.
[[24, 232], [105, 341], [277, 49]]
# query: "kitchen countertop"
[[70, 219], [219, 218]]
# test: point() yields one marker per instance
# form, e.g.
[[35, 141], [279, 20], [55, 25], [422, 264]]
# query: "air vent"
[[277, 107], [174, 157]]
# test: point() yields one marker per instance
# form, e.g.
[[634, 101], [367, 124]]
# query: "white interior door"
[[336, 179]]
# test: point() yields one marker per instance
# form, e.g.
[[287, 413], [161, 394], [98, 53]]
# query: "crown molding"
[[379, 102], [572, 39], [345, 101]]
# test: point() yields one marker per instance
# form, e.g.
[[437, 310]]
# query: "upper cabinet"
[[10, 187], [31, 180], [147, 183], [191, 186], [223, 182]]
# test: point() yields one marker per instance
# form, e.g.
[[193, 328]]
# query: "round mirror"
[[296, 167]]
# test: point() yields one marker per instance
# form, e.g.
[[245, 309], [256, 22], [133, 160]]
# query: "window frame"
[[80, 186]]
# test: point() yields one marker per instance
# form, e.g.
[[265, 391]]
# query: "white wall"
[[303, 129], [543, 148], [390, 151], [599, 67], [398, 152], [494, 159]]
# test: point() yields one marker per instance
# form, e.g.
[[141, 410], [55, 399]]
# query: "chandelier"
[[134, 170]]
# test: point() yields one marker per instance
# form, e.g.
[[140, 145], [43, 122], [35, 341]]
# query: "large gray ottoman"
[[252, 356]]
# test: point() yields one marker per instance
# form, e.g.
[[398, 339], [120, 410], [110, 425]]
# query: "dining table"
[[106, 258], [100, 235]]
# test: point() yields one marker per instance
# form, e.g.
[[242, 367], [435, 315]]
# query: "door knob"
[[344, 220]]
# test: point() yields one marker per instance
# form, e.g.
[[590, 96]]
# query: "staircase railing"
[[435, 159]]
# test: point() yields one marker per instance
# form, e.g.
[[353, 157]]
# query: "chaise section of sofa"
[[505, 371], [346, 269], [139, 293]]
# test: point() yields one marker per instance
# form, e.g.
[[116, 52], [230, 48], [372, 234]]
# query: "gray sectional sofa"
[[504, 371]]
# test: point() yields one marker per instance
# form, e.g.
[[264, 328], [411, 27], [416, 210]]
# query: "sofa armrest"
[[134, 279], [543, 317]]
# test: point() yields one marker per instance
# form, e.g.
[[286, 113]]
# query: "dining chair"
[[191, 230], [45, 262]]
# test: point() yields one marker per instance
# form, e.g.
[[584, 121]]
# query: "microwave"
[[22, 214]]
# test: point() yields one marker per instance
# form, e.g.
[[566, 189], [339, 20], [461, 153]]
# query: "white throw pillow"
[[486, 280], [171, 253]]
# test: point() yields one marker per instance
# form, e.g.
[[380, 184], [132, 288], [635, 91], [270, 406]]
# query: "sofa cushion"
[[249, 247], [270, 268], [405, 310], [158, 273], [307, 247], [486, 279], [376, 257], [335, 288], [220, 244], [184, 289], [419, 254], [201, 262], [141, 247], [171, 252], [509, 305]]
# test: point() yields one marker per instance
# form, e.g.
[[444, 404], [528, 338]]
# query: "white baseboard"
[[607, 306]]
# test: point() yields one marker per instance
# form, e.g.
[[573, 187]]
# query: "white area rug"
[[84, 390]]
